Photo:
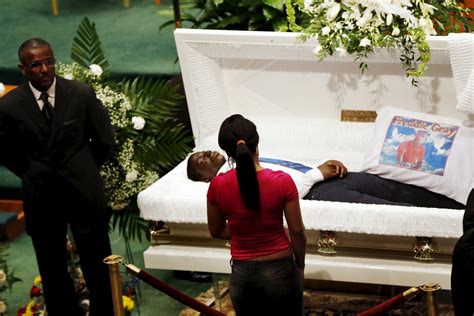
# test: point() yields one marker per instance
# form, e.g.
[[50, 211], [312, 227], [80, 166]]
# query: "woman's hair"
[[238, 137]]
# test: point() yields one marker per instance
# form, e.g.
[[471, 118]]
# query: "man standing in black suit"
[[55, 134], [462, 273]]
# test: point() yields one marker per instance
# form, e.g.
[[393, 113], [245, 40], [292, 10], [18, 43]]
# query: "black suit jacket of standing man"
[[59, 167]]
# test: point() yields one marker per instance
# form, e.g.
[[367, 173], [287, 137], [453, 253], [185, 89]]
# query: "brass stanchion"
[[113, 261], [431, 303], [54, 4]]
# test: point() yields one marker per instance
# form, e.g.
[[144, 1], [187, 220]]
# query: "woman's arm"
[[297, 232], [216, 223]]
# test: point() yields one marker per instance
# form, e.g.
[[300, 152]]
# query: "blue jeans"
[[266, 287]]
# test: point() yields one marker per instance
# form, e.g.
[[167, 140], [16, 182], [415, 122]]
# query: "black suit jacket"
[[79, 142]]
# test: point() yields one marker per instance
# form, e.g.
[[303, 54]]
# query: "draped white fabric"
[[461, 54]]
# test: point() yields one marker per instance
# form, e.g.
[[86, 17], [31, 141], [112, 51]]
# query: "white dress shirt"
[[303, 181], [51, 94]]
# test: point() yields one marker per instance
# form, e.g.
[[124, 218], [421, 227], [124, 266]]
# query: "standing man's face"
[[37, 64]]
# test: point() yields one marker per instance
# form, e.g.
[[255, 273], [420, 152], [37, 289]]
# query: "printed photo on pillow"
[[418, 145]]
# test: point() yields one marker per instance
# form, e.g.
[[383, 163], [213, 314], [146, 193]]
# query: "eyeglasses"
[[38, 64]]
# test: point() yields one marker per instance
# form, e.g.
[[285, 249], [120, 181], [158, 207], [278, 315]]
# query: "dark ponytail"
[[238, 137]]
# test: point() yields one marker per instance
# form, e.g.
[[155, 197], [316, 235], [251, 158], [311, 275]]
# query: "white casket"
[[275, 80]]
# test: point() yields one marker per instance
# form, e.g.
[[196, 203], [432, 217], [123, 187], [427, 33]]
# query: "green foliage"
[[149, 138], [86, 47], [7, 276], [252, 15], [454, 20], [129, 223], [163, 142]]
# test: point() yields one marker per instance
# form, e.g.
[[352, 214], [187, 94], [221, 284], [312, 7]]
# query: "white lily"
[[333, 11], [389, 19], [427, 26], [365, 42]]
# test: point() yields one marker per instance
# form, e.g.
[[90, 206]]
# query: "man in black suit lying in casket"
[[330, 181]]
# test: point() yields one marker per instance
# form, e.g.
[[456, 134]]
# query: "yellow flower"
[[29, 308], [128, 303], [37, 281]]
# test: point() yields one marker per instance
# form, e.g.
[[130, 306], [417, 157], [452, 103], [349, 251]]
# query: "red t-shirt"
[[411, 152], [254, 233]]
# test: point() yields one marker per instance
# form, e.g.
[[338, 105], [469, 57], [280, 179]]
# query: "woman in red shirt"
[[246, 205]]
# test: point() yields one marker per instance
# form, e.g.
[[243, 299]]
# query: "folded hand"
[[332, 168]]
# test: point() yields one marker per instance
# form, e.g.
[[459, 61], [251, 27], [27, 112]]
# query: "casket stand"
[[308, 111]]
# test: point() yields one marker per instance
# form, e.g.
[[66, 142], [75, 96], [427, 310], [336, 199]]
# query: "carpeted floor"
[[329, 303], [21, 258], [130, 37]]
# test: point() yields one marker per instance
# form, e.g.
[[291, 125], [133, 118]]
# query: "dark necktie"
[[286, 163], [47, 108]]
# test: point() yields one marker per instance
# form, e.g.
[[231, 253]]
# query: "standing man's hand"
[[332, 168]]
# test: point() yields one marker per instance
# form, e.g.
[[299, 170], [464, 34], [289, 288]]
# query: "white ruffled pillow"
[[425, 150]]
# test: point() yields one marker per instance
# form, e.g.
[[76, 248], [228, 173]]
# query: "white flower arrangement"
[[123, 175], [357, 26], [138, 122], [2, 88]]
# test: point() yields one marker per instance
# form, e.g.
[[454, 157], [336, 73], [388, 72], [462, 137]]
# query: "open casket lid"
[[277, 76]]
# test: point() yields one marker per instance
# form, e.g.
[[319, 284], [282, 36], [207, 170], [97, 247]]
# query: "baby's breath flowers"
[[123, 175]]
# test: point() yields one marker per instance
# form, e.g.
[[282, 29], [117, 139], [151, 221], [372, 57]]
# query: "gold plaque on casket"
[[358, 116]]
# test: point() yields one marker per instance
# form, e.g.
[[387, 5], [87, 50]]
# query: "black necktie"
[[47, 108]]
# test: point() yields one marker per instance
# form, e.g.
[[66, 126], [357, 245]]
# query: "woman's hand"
[[301, 276]]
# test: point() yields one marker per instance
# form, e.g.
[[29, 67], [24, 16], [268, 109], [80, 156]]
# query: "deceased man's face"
[[207, 163]]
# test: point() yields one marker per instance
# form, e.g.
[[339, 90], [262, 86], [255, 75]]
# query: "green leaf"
[[86, 47], [291, 16], [230, 20], [280, 24], [129, 223], [269, 12], [276, 4]]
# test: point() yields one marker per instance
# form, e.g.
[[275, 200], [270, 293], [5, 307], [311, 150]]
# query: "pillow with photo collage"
[[425, 150]]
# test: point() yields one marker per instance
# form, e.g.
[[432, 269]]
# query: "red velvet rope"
[[384, 307], [177, 295]]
